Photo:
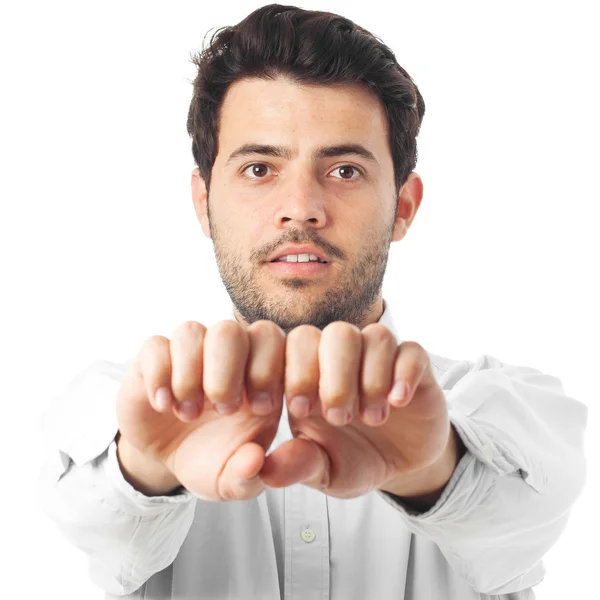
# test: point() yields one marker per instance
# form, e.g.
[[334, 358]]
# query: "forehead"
[[283, 111]]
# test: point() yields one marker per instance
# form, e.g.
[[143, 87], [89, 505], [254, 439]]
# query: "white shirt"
[[506, 505]]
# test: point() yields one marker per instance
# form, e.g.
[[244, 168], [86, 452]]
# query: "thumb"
[[297, 461]]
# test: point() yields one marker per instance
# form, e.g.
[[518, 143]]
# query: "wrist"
[[423, 489], [145, 474]]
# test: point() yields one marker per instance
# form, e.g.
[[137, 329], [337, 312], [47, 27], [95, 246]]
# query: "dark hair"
[[309, 47]]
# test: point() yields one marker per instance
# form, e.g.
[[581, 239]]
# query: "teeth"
[[300, 258]]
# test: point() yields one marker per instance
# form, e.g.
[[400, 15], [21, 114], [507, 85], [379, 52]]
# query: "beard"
[[350, 299]]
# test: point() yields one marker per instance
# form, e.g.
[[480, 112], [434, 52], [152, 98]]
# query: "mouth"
[[298, 269]]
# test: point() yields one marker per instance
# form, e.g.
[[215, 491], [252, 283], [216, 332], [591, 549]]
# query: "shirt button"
[[308, 535]]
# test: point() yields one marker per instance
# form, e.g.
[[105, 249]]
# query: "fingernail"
[[225, 409], [248, 481], [300, 406], [373, 415], [262, 404], [338, 416], [163, 398], [189, 409], [398, 391]]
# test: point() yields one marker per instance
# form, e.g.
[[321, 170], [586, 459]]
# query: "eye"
[[345, 170], [258, 171]]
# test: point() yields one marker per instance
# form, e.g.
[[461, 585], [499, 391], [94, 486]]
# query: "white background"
[[101, 247]]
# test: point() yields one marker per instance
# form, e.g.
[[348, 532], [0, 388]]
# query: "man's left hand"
[[411, 452]]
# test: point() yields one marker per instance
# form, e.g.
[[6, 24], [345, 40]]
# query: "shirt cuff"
[[472, 480], [126, 498]]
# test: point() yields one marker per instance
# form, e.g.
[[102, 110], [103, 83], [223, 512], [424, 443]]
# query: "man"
[[396, 473]]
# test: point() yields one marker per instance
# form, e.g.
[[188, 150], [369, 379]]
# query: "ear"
[[200, 199], [411, 194]]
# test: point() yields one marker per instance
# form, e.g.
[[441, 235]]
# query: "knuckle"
[[186, 385], [185, 391], [189, 329], [335, 397], [301, 349], [259, 385], [301, 361], [154, 365], [154, 341], [218, 392], [300, 386], [224, 359], [227, 341], [227, 328], [155, 357], [265, 360], [186, 378], [414, 357], [218, 386], [260, 377], [378, 334], [303, 333], [227, 336], [414, 346], [343, 330], [374, 389], [266, 343], [264, 328], [420, 356]]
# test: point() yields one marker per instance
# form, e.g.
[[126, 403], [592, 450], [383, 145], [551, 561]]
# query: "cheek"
[[371, 239], [360, 229], [248, 238]]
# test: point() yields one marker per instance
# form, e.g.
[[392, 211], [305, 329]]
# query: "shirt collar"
[[387, 320]]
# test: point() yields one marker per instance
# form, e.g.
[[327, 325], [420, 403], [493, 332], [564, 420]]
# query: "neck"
[[375, 314]]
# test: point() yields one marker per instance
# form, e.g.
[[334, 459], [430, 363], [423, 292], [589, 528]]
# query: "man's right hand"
[[210, 454]]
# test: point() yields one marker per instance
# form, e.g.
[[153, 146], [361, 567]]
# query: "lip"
[[297, 249], [298, 269]]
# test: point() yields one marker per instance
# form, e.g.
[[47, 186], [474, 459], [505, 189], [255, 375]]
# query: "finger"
[[186, 364], [154, 361], [410, 365], [266, 363], [240, 480], [299, 460], [339, 364], [377, 370], [225, 354], [302, 370]]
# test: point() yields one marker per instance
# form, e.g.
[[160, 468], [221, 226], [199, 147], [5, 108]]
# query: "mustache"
[[328, 248]]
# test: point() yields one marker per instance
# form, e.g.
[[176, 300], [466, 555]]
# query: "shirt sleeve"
[[126, 535], [510, 496]]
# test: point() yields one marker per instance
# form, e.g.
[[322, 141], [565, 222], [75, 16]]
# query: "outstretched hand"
[[376, 417]]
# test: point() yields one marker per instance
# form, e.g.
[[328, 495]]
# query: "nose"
[[302, 202]]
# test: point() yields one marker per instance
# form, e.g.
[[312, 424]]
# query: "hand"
[[207, 452], [351, 370]]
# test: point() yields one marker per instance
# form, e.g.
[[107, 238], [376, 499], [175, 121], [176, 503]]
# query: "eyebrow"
[[319, 153]]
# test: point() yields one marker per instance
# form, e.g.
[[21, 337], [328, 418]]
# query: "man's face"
[[343, 205]]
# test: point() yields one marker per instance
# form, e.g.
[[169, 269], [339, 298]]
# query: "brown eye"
[[346, 172], [256, 171]]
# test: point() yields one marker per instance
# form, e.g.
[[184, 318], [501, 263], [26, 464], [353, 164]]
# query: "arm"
[[126, 535], [508, 499], [426, 488], [143, 474]]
